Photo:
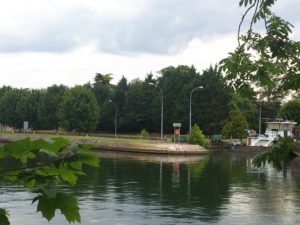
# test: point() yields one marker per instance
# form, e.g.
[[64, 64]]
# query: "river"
[[222, 188]]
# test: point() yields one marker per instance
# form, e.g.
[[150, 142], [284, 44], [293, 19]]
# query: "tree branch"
[[242, 20]]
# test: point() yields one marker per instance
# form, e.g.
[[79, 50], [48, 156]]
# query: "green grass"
[[75, 137]]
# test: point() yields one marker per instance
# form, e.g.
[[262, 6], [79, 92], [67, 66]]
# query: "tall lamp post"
[[259, 122], [161, 112], [200, 87], [116, 116]]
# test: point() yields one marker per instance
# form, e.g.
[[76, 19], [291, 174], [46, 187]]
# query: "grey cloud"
[[164, 28]]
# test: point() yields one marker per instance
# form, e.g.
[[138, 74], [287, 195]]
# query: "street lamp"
[[259, 122], [162, 111], [200, 87], [116, 116]]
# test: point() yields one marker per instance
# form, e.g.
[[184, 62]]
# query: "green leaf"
[[68, 206], [49, 202], [46, 206], [19, 150], [4, 217], [76, 165], [59, 143], [67, 175], [89, 159]]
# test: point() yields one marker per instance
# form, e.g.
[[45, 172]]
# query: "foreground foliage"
[[268, 59], [282, 150], [40, 166]]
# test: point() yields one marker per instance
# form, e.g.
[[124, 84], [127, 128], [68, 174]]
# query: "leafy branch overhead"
[[39, 165], [269, 59]]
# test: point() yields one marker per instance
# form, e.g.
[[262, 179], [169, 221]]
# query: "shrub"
[[196, 136], [144, 134]]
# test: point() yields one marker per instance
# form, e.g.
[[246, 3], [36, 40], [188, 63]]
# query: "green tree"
[[248, 107], [33, 104], [4, 89], [14, 107], [41, 166], [103, 78], [176, 84], [49, 105], [270, 59], [19, 105], [236, 125], [79, 110], [115, 100], [139, 106], [104, 92], [102, 88], [197, 137], [291, 110], [211, 103]]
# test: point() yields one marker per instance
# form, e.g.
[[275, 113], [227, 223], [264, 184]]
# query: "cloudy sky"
[[68, 41]]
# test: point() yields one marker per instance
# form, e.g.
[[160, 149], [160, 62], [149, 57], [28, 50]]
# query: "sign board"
[[176, 124], [25, 125], [176, 131]]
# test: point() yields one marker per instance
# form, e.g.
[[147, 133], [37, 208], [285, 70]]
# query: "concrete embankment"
[[137, 147], [157, 148]]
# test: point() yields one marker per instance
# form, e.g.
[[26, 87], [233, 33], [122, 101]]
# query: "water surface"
[[222, 188]]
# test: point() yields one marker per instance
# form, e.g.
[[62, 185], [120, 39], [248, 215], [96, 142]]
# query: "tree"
[[33, 104], [291, 110], [139, 106], [41, 166], [79, 110], [49, 105], [236, 125], [103, 91], [4, 89], [211, 103], [248, 107], [14, 107], [103, 78], [269, 60], [19, 105], [110, 105], [176, 84]]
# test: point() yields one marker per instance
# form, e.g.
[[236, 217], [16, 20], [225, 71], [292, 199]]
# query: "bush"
[[282, 150], [144, 134], [197, 137]]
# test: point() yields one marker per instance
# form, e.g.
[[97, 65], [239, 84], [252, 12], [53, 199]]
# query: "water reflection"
[[181, 187], [222, 188]]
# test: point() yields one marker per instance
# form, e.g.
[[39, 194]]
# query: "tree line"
[[93, 106]]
